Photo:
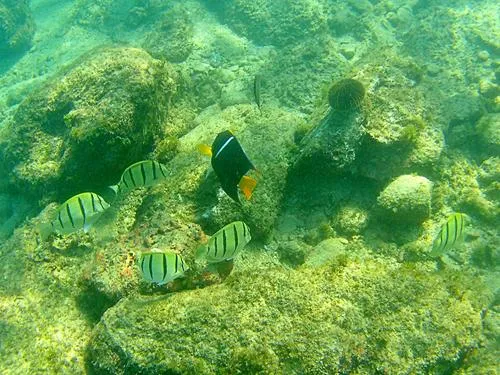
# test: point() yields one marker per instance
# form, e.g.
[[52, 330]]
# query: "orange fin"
[[247, 185], [204, 149]]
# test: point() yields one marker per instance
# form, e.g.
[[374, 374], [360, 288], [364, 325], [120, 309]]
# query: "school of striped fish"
[[231, 165], [84, 210]]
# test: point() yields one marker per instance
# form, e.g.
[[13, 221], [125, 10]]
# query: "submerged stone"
[[407, 199], [351, 317], [80, 130]]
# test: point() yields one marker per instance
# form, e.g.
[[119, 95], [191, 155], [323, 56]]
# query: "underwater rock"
[[331, 147], [271, 22], [172, 38], [82, 130], [407, 199], [350, 220], [488, 129], [17, 26], [350, 317]]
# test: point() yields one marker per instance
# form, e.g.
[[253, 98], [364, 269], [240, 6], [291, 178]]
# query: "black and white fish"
[[161, 267], [450, 235], [226, 243], [78, 212], [141, 174], [231, 164]]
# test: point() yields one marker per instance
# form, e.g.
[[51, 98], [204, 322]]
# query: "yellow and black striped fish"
[[451, 234], [78, 212], [226, 243], [161, 267], [141, 174]]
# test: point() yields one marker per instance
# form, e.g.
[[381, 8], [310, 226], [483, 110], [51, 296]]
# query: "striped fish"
[[226, 243], [451, 234], [141, 174], [161, 267], [78, 212]]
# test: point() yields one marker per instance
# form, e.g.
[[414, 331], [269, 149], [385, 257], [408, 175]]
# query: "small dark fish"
[[256, 91]]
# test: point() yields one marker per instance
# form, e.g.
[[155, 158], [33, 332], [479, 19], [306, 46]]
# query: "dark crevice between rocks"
[[94, 303]]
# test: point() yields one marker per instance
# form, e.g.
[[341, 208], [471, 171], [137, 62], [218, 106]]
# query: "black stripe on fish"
[[60, 220], [125, 181], [215, 247], [456, 228], [142, 264], [143, 172], [93, 202], [182, 265], [176, 263], [153, 165], [447, 235], [132, 177], [224, 242], [161, 170], [235, 230], [164, 266], [244, 230], [100, 202], [68, 210], [82, 209], [151, 266]]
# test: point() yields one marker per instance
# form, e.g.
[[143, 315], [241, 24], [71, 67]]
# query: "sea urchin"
[[346, 94]]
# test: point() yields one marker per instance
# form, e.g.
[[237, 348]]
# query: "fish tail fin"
[[247, 186], [200, 252], [204, 149], [115, 188], [44, 229]]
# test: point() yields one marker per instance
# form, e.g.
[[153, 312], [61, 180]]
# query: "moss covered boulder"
[[356, 317], [82, 130], [16, 26], [272, 22], [407, 199]]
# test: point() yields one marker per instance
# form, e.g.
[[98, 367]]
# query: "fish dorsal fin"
[[204, 149], [247, 186]]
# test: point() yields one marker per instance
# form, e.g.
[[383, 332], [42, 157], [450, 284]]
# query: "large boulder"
[[272, 22], [357, 316], [83, 130], [407, 199], [17, 26]]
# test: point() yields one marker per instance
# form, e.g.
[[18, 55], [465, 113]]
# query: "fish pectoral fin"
[[204, 149], [247, 186], [87, 227]]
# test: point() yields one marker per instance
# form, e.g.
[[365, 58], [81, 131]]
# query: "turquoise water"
[[366, 124]]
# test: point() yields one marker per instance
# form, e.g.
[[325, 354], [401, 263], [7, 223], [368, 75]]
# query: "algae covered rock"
[[17, 26], [357, 317], [82, 130], [407, 199], [272, 22]]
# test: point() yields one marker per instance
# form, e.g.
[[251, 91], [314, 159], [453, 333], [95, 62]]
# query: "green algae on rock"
[[271, 22], [17, 26], [407, 199], [357, 317], [78, 132]]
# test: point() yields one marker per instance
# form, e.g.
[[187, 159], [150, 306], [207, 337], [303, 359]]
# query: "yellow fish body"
[[450, 234]]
